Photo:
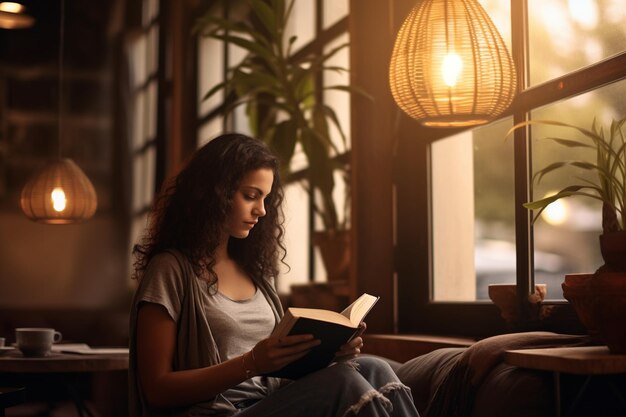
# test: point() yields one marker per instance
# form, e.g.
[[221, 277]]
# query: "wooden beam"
[[371, 37]]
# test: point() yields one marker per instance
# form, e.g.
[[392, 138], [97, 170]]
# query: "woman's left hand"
[[353, 347]]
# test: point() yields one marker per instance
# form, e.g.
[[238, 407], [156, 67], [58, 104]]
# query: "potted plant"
[[609, 187], [282, 100], [598, 298]]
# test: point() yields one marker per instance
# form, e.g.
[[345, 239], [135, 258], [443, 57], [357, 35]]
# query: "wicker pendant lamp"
[[13, 16], [60, 193], [450, 66]]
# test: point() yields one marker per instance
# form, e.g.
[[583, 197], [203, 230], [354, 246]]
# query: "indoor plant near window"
[[283, 101], [598, 298]]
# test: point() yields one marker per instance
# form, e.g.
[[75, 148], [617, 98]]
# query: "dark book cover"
[[331, 335]]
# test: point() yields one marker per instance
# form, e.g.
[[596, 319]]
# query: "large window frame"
[[416, 310]]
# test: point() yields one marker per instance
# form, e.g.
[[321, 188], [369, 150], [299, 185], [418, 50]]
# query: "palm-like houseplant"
[[598, 298], [282, 100], [609, 168]]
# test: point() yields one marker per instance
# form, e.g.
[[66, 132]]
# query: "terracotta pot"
[[609, 308], [577, 290], [335, 250], [505, 297], [613, 249]]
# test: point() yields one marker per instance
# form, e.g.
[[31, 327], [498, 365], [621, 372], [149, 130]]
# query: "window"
[[319, 25], [477, 179], [142, 50]]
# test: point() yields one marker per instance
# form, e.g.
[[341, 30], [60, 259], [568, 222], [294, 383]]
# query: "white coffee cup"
[[36, 341], [1, 341]]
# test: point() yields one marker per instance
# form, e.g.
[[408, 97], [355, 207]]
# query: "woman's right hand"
[[274, 353]]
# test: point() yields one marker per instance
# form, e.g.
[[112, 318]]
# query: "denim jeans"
[[363, 387]]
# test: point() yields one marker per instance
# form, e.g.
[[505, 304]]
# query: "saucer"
[[6, 349]]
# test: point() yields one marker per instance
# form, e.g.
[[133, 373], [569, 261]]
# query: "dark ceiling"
[[86, 27], [30, 97]]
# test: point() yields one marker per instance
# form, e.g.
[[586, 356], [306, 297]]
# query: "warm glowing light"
[[58, 199], [11, 7], [585, 12], [451, 69], [556, 213]]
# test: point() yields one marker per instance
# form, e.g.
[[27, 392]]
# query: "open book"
[[331, 328]]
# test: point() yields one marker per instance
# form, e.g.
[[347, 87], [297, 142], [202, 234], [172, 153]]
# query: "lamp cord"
[[60, 95]]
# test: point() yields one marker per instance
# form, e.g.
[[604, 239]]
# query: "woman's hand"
[[353, 347], [272, 354]]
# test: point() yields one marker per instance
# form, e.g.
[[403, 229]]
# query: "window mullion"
[[524, 245]]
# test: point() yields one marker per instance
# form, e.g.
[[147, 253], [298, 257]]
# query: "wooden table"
[[10, 396], [15, 362], [63, 365], [585, 360]]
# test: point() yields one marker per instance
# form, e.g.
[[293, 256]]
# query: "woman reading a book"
[[206, 304]]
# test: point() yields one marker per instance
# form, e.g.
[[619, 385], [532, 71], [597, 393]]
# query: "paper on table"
[[58, 347], [85, 349]]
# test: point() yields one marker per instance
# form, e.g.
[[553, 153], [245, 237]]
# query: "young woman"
[[206, 304]]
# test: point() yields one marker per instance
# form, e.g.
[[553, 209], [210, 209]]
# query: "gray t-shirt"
[[237, 326]]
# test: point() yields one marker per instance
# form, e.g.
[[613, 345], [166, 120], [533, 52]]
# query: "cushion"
[[424, 373], [506, 391], [515, 392]]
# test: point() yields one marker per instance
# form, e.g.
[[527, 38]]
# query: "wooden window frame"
[[416, 312]]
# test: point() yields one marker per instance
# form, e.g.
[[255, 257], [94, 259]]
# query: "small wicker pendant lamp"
[[450, 66], [60, 193]]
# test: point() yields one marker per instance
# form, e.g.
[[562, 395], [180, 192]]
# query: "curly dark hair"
[[190, 211]]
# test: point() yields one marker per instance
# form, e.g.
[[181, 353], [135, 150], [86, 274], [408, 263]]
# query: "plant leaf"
[[266, 15], [283, 141]]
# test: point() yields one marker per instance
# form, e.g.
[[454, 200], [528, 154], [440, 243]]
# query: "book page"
[[356, 311], [323, 315]]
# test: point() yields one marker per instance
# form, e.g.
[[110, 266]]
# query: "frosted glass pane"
[[339, 100], [298, 160], [236, 54], [240, 121], [144, 166], [152, 50], [152, 98], [209, 130], [296, 238], [137, 67], [210, 73], [138, 121], [301, 23], [335, 10]]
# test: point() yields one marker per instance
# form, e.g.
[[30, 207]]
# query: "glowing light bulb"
[[11, 7], [556, 213], [58, 199], [451, 69]]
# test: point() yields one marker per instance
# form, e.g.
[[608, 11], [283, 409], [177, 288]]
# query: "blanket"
[[455, 393]]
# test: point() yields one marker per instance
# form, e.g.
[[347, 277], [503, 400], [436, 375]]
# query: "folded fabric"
[[454, 396]]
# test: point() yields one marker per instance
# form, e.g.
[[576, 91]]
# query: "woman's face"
[[249, 202]]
